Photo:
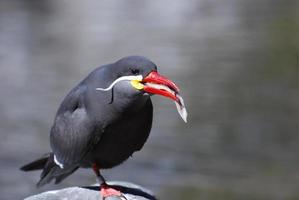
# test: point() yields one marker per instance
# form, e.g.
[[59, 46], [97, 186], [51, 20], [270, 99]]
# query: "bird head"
[[144, 77]]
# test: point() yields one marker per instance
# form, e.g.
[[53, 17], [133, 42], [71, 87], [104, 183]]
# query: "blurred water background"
[[236, 61]]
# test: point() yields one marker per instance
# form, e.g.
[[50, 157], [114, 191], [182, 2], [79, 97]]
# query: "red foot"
[[107, 191]]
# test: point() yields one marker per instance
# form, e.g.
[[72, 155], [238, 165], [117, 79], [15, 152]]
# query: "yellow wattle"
[[137, 85]]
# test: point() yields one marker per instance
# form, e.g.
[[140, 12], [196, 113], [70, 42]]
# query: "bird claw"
[[108, 191]]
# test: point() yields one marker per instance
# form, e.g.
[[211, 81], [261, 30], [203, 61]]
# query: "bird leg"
[[96, 170], [106, 190]]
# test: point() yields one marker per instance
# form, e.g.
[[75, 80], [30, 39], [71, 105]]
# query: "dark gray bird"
[[104, 120]]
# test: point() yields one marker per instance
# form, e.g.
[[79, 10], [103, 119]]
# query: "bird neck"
[[130, 105]]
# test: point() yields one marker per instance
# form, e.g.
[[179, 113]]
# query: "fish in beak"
[[154, 83]]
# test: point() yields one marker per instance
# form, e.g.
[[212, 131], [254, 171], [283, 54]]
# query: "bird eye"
[[135, 71]]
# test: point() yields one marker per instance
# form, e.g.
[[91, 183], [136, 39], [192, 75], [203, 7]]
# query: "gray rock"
[[129, 190]]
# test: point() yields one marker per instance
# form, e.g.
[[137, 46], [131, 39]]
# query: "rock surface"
[[129, 190]]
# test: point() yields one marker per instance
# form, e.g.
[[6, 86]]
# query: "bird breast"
[[123, 137]]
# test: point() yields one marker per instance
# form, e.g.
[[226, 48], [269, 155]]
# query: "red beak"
[[155, 83]]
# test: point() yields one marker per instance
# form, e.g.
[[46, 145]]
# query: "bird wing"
[[73, 133]]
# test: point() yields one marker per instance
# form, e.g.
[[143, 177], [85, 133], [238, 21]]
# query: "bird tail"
[[50, 169], [37, 164]]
